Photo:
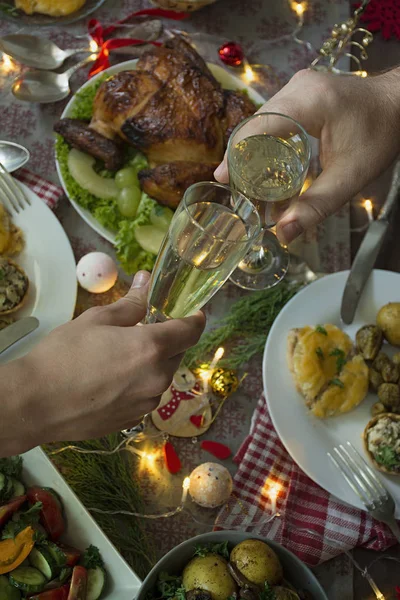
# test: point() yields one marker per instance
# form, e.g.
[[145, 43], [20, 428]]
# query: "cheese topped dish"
[[53, 8], [326, 372]]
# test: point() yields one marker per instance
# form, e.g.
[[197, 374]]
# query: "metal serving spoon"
[[43, 87], [37, 52], [13, 156]]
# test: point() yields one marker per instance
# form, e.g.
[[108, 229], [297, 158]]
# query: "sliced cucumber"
[[65, 575], [28, 579], [7, 591], [149, 237], [6, 487], [95, 584], [58, 555], [80, 166], [41, 559], [18, 488]]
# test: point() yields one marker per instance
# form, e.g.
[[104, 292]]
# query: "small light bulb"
[[93, 46], [7, 64], [219, 353], [186, 483], [249, 74]]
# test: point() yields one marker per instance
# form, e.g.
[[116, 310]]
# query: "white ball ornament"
[[96, 272], [210, 485]]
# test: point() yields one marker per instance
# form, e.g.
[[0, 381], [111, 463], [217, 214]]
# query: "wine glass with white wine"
[[268, 159], [209, 235]]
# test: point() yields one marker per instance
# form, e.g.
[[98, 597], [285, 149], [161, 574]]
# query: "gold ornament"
[[224, 382]]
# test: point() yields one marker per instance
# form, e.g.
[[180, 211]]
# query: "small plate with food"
[[224, 565], [39, 13], [337, 383], [37, 272], [136, 136], [51, 548]]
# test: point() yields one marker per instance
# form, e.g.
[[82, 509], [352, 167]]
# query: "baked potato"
[[388, 319], [257, 562], [211, 574]]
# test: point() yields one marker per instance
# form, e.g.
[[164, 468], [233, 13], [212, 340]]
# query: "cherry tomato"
[[51, 514], [72, 554], [7, 510], [78, 588], [60, 593]]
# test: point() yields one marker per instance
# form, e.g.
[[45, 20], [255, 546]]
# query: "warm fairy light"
[[218, 355], [272, 491], [367, 204], [186, 483], [93, 46], [7, 64], [185, 488], [206, 374], [299, 7], [249, 74], [363, 74]]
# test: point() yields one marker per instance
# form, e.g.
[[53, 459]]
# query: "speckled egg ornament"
[[97, 272], [210, 485]]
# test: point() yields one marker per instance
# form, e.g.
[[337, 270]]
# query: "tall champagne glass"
[[209, 235], [268, 159]]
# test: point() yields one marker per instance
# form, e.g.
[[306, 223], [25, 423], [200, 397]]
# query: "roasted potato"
[[389, 395], [378, 408], [375, 379], [209, 573], [380, 361], [390, 372], [388, 319], [369, 341], [257, 562]]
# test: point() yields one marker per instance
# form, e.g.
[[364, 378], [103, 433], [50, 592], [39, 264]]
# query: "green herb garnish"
[[337, 382], [170, 586], [9, 10], [12, 466], [388, 457], [320, 329], [267, 593], [319, 353], [204, 549], [340, 360], [22, 520], [2, 274], [91, 558]]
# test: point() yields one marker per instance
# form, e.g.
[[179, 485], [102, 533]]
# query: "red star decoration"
[[383, 15], [398, 592]]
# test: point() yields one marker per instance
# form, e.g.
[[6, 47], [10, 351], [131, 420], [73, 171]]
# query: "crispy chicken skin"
[[79, 135], [173, 110], [167, 183]]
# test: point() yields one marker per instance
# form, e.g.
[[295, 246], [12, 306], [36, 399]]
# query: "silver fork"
[[10, 191], [366, 484]]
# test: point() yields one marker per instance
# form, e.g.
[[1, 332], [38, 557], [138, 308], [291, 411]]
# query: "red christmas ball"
[[231, 54]]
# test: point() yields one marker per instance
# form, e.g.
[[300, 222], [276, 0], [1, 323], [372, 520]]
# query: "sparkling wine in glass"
[[268, 159], [209, 235]]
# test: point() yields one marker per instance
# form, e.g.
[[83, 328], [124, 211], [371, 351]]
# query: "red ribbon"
[[98, 33]]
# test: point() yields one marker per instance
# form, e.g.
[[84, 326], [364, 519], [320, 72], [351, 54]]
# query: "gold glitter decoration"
[[224, 382]]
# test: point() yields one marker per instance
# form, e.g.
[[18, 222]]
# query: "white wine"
[[269, 171], [204, 245]]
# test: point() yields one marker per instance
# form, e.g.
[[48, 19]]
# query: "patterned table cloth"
[[262, 27]]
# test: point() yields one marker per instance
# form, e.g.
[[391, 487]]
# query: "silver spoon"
[[43, 87], [13, 156], [36, 52]]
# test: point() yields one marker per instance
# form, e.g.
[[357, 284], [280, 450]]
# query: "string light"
[[208, 373], [367, 204], [93, 46], [7, 65], [249, 75], [273, 489]]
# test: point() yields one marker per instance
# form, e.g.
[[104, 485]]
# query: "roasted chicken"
[[173, 110]]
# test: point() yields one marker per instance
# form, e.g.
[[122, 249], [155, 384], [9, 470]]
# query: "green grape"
[[161, 217], [128, 201], [126, 178]]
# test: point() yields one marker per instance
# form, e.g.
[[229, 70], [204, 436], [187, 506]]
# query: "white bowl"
[[228, 81], [82, 530]]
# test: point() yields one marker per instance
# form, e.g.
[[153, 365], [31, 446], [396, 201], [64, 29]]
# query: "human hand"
[[358, 124], [99, 373]]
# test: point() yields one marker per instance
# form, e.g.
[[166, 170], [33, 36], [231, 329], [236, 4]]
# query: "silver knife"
[[368, 251], [17, 331]]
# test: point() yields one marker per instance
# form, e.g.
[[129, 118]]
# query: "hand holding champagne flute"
[[209, 235]]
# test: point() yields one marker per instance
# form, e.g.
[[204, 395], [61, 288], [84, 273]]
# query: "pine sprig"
[[108, 482], [245, 328]]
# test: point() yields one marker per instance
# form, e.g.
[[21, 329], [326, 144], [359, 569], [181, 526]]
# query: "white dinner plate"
[[306, 438], [49, 263], [82, 530], [228, 81]]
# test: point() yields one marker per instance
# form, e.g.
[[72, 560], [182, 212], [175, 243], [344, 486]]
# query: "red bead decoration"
[[216, 449], [197, 420], [171, 459], [231, 54]]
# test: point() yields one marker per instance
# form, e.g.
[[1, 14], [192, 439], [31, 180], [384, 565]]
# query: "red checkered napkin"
[[47, 191], [263, 460]]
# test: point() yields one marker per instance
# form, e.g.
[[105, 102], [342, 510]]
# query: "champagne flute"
[[209, 235], [268, 159]]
